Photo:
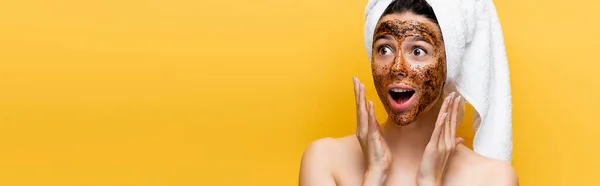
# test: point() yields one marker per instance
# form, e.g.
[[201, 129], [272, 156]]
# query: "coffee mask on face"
[[409, 67]]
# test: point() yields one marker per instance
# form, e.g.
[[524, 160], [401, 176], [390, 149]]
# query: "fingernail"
[[461, 140], [452, 96], [459, 99]]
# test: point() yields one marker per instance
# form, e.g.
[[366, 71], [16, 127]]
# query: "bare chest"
[[352, 175]]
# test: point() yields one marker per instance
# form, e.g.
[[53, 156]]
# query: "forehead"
[[410, 18]]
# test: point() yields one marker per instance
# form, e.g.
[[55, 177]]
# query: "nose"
[[399, 66]]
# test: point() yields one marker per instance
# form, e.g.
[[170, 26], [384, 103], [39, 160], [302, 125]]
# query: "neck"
[[407, 143]]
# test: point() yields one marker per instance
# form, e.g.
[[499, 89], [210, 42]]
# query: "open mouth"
[[400, 95]]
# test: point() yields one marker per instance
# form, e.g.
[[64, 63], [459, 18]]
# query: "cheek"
[[379, 72], [433, 76], [431, 79]]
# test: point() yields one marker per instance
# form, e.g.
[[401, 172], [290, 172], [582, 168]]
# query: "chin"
[[405, 118]]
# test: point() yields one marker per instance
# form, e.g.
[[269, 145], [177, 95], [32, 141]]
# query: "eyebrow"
[[418, 38], [384, 36]]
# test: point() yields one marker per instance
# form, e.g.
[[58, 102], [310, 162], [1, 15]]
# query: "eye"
[[385, 50], [418, 52]]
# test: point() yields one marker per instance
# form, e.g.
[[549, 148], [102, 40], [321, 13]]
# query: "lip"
[[400, 107]]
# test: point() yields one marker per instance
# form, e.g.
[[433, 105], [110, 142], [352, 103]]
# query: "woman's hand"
[[441, 145], [376, 152]]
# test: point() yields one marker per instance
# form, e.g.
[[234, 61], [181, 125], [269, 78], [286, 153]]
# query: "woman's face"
[[409, 65]]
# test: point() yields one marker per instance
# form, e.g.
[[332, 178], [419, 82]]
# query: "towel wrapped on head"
[[477, 66]]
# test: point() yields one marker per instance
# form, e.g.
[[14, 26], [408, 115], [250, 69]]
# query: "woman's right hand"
[[375, 150]]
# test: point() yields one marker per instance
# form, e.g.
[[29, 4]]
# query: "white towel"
[[477, 66]]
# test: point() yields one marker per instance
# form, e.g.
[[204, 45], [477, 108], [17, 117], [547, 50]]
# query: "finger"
[[445, 104], [443, 141], [458, 141], [450, 122], [361, 103], [453, 120], [438, 130], [356, 100], [361, 124], [435, 136], [356, 89], [363, 120], [374, 131], [372, 119], [446, 133]]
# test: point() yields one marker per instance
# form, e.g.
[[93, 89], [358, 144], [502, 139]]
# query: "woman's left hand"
[[441, 145]]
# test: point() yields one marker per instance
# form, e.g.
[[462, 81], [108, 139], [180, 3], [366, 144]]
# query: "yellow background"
[[157, 92]]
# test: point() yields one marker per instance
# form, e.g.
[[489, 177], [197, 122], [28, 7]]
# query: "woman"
[[417, 145]]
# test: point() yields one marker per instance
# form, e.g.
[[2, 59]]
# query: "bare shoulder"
[[498, 173], [331, 150], [486, 171], [323, 157]]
